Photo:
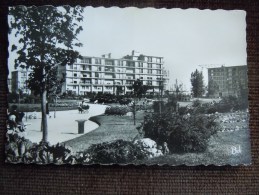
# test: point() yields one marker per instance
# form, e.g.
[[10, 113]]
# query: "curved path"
[[63, 127]]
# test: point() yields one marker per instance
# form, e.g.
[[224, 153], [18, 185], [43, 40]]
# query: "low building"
[[226, 81], [110, 75]]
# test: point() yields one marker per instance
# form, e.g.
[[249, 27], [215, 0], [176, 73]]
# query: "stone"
[[150, 146], [129, 114]]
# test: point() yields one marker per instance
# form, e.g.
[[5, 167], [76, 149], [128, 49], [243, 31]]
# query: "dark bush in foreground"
[[21, 150], [119, 151], [182, 133]]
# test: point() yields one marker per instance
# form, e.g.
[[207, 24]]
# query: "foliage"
[[182, 133], [226, 104], [118, 151], [47, 36], [157, 105], [117, 110], [138, 89], [19, 149], [197, 83]]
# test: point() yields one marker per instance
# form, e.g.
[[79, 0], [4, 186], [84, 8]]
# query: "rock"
[[129, 114], [150, 146]]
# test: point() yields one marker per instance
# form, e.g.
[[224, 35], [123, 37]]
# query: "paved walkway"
[[63, 127]]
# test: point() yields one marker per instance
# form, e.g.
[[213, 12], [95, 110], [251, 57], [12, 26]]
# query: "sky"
[[185, 38]]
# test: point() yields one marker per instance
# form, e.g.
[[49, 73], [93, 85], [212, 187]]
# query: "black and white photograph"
[[127, 86]]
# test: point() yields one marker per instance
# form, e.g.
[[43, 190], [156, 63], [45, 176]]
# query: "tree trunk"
[[44, 117], [134, 111]]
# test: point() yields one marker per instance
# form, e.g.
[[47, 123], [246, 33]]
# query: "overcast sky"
[[185, 38]]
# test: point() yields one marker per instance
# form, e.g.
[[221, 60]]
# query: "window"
[[74, 87], [75, 75], [108, 88], [109, 62], [86, 60], [97, 61], [83, 87], [130, 64], [99, 68], [149, 59], [70, 66], [158, 71], [149, 65], [149, 71], [141, 70], [129, 82], [120, 63], [96, 74], [75, 82], [140, 64], [149, 83]]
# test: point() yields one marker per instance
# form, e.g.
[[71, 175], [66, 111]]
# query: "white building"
[[108, 75], [18, 81]]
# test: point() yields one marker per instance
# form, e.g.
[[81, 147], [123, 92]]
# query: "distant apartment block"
[[230, 80], [108, 75], [18, 81]]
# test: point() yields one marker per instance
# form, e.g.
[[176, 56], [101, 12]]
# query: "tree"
[[47, 36], [138, 89], [197, 83]]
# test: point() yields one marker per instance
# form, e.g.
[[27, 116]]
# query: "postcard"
[[127, 86]]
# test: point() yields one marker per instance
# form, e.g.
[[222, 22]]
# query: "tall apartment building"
[[18, 81], [108, 75], [230, 80]]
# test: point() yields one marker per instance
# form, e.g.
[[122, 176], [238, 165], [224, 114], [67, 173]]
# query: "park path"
[[63, 127]]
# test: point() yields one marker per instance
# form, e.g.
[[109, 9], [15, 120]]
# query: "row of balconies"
[[114, 75], [113, 66]]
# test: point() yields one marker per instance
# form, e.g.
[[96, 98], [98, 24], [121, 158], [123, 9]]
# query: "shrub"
[[182, 133], [117, 110], [118, 151], [157, 104], [19, 149]]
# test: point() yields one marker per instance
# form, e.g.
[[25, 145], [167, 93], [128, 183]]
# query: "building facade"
[[228, 80], [18, 81], [108, 75]]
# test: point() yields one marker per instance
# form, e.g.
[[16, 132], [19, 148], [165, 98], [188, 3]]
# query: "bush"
[[182, 133], [157, 104], [118, 151], [18, 149], [117, 110]]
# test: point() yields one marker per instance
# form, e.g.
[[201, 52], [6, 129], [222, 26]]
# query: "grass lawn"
[[228, 147], [111, 128]]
